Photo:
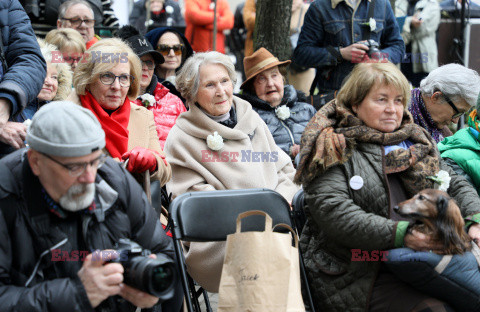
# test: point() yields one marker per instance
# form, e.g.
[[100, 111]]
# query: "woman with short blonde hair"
[[102, 57], [364, 76], [69, 42], [106, 80]]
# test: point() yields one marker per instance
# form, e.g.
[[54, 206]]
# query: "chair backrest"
[[298, 206], [196, 215]]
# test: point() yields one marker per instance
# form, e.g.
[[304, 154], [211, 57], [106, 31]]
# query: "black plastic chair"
[[211, 216], [298, 206]]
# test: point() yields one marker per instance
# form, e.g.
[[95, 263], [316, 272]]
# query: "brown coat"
[[141, 132], [249, 12]]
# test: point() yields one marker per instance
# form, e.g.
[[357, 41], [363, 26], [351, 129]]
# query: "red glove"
[[140, 160]]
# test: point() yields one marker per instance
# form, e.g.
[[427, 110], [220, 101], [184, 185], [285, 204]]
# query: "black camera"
[[153, 276], [373, 48]]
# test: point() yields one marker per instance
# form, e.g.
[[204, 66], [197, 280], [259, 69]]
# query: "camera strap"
[[371, 11]]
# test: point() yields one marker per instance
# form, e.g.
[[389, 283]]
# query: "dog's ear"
[[442, 206], [449, 223]]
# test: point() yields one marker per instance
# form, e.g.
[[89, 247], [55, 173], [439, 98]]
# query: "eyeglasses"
[[164, 49], [457, 112], [150, 64], [77, 169], [72, 59], [75, 22], [109, 78]]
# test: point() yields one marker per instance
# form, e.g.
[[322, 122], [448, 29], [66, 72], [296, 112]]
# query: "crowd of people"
[[87, 123]]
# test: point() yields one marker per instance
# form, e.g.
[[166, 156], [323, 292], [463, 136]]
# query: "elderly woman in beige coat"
[[106, 80], [220, 143]]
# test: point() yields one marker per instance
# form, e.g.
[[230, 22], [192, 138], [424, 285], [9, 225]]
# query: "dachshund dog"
[[435, 213]]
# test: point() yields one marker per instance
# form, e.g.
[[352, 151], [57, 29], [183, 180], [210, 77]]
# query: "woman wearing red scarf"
[[105, 81]]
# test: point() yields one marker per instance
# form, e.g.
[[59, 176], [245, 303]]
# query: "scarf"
[[422, 117], [114, 125], [330, 137]]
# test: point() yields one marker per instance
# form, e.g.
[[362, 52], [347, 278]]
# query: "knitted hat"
[[64, 129], [259, 61]]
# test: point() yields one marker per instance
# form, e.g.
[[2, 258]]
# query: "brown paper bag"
[[294, 300], [260, 271]]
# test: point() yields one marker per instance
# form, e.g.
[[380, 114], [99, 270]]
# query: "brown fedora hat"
[[259, 61]]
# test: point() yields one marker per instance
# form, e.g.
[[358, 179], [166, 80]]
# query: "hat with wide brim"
[[259, 61], [141, 46]]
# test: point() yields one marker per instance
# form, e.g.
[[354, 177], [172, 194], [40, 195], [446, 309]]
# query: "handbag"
[[261, 270]]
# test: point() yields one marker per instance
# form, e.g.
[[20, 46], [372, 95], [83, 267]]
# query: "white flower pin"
[[215, 141], [169, 9], [372, 23], [442, 180], [147, 100], [282, 112]]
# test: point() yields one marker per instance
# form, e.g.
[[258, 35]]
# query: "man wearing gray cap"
[[60, 200]]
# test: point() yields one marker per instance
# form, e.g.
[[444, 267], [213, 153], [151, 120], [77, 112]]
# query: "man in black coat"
[[63, 207], [22, 68]]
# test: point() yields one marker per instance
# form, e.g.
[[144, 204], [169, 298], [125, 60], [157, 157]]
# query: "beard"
[[78, 197]]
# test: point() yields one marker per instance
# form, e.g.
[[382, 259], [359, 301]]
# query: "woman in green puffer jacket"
[[362, 154], [462, 150]]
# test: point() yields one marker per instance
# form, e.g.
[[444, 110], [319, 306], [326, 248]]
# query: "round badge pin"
[[356, 182]]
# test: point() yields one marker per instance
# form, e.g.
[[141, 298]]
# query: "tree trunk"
[[272, 27]]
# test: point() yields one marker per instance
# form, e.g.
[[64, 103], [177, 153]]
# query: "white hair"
[[455, 81], [188, 78], [62, 10]]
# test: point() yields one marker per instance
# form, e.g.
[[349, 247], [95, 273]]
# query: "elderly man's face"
[[442, 113], [73, 17], [64, 188]]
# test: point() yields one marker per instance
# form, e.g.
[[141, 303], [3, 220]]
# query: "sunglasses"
[[164, 49], [455, 109]]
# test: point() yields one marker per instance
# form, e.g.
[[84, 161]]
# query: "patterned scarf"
[[422, 117], [330, 137]]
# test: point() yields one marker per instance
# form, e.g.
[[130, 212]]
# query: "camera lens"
[[162, 278], [154, 276]]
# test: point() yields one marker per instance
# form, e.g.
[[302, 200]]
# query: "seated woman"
[[165, 106], [106, 86], [462, 150], [277, 104], [447, 93], [56, 86], [69, 42], [175, 49], [219, 123], [361, 155]]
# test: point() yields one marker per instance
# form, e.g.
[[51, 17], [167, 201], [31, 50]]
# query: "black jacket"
[[26, 71], [28, 228], [285, 132], [102, 11]]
